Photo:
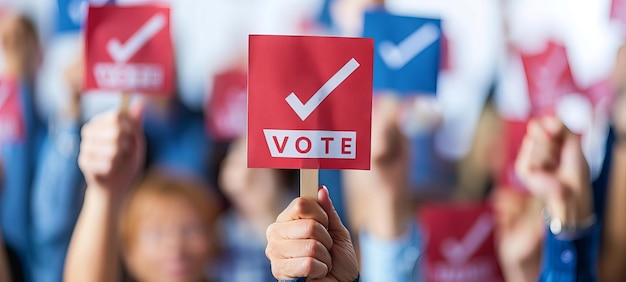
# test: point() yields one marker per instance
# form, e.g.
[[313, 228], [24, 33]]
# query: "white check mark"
[[121, 53], [397, 56], [303, 110], [4, 94], [459, 252]]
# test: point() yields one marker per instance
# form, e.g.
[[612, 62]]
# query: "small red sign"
[[226, 111], [549, 78], [618, 11], [129, 48], [309, 102], [459, 243], [12, 128]]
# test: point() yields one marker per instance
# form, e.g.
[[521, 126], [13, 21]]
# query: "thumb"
[[135, 113], [334, 221]]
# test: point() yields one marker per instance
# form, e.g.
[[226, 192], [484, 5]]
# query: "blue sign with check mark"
[[71, 14], [407, 50]]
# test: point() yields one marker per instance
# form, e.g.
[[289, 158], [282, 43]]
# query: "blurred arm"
[[5, 276], [613, 252], [111, 156]]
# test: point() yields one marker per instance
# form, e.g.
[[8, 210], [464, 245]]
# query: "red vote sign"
[[549, 78], [129, 48], [12, 126], [226, 111], [459, 243], [309, 102]]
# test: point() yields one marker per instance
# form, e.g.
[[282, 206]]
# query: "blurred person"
[[5, 273], [58, 185], [162, 229], [613, 246], [41, 180], [36, 165], [257, 195], [380, 201], [550, 163]]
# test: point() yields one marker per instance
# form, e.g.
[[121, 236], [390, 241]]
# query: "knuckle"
[[309, 228], [299, 206], [310, 248], [308, 266]]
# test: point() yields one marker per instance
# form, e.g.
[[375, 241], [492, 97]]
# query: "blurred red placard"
[[129, 49], [549, 78], [618, 11], [12, 128], [226, 110], [309, 102], [459, 243]]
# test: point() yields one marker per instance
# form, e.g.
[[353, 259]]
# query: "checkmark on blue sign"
[[406, 52], [71, 14]]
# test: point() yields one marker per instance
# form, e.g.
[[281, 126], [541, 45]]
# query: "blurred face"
[[249, 189], [171, 242]]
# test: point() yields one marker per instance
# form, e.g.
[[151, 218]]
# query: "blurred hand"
[[379, 200], [519, 234], [309, 240], [112, 150], [553, 167]]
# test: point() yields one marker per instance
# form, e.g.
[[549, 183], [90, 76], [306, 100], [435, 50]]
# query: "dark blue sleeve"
[[571, 260]]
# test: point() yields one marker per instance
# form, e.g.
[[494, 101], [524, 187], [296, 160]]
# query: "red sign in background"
[[309, 102], [459, 243], [226, 110], [549, 78], [129, 48], [12, 128]]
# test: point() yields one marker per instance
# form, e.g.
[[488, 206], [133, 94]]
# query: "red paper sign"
[[309, 102], [618, 11], [12, 126], [514, 132], [460, 243], [549, 78], [129, 49], [226, 112]]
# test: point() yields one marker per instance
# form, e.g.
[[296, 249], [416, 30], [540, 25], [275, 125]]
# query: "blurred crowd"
[[472, 183]]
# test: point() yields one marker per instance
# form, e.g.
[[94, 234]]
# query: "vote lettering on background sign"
[[129, 49], [12, 128], [407, 52], [459, 243], [226, 111], [309, 102], [549, 78]]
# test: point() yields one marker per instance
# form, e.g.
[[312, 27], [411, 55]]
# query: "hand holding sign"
[[309, 240]]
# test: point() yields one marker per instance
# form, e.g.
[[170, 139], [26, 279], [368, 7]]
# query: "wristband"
[[567, 231]]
